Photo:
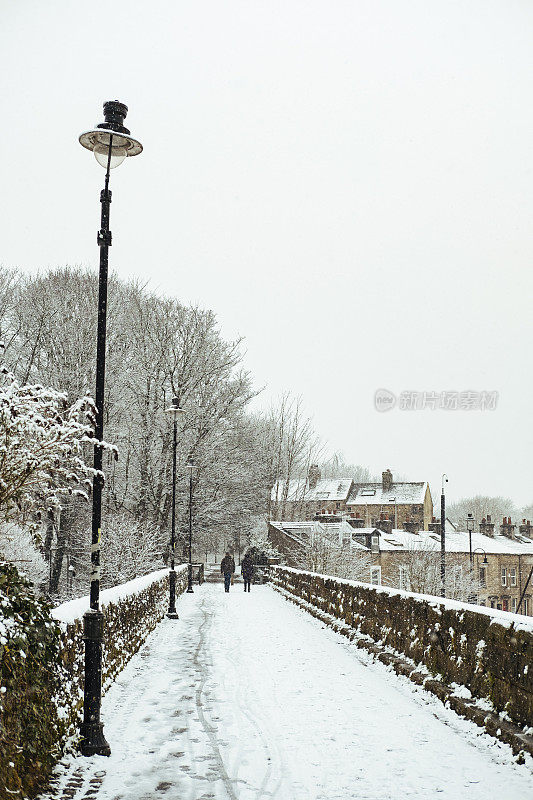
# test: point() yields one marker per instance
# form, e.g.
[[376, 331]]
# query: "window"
[[504, 576], [512, 576], [403, 578], [505, 604], [482, 576], [375, 576], [368, 492], [375, 541], [525, 606], [513, 605]]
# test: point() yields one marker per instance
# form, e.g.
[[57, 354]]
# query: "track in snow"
[[247, 697]]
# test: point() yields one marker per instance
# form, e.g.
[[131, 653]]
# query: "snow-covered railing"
[[490, 652]]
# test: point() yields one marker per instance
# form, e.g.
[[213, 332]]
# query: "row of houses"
[[499, 566], [399, 544]]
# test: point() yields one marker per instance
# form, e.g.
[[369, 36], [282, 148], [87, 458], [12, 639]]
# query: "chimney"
[[313, 476], [384, 523], [411, 527], [357, 521], [507, 528], [386, 479], [486, 526], [434, 526], [525, 529]]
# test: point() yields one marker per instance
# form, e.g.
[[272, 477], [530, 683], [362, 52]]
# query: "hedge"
[[41, 668]]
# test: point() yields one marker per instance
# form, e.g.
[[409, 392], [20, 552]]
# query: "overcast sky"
[[348, 185]]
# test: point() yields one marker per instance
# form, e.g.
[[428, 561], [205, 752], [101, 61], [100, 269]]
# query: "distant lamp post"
[[175, 412], [443, 538], [470, 523], [485, 559], [111, 143], [191, 466]]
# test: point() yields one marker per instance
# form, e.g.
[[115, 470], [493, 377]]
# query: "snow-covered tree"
[[479, 506], [42, 442], [18, 547], [420, 572], [323, 556]]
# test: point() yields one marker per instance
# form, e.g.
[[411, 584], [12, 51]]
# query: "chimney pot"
[[488, 518], [386, 480]]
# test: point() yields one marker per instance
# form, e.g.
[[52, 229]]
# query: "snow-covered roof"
[[326, 490], [363, 494], [456, 542]]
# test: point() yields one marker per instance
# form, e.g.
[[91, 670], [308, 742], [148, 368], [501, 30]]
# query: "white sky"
[[347, 184]]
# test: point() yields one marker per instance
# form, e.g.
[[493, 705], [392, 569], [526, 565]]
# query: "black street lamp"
[[485, 559], [111, 143], [470, 523], [176, 412], [191, 466], [443, 538]]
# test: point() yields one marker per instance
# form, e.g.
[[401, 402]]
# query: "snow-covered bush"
[[32, 680], [130, 549], [18, 547], [42, 667]]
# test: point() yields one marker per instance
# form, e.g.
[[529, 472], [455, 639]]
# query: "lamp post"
[[191, 466], [470, 523], [111, 143], [443, 538], [175, 411]]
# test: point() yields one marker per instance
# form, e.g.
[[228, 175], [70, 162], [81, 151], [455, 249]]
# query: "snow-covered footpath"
[[246, 696]]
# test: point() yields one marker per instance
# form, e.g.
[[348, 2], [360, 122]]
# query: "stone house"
[[395, 504], [501, 562]]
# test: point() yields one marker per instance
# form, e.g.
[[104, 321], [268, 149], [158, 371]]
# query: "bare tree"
[[419, 571], [479, 506]]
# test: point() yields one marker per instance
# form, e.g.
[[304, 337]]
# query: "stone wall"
[[486, 650]]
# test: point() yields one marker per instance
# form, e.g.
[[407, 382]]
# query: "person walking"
[[227, 568], [247, 568]]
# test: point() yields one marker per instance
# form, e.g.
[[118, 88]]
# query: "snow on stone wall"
[[486, 650], [131, 611], [42, 666]]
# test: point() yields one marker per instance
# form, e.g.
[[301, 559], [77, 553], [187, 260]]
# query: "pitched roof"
[[327, 490], [373, 494], [456, 542]]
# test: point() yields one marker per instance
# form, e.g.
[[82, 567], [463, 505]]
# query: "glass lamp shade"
[[101, 153], [122, 146]]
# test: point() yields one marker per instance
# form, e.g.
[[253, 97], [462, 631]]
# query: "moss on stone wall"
[[472, 649]]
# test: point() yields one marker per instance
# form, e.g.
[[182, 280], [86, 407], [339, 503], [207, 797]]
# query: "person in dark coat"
[[227, 568], [247, 568]]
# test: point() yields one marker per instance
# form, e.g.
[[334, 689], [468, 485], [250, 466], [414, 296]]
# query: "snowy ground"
[[246, 696]]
